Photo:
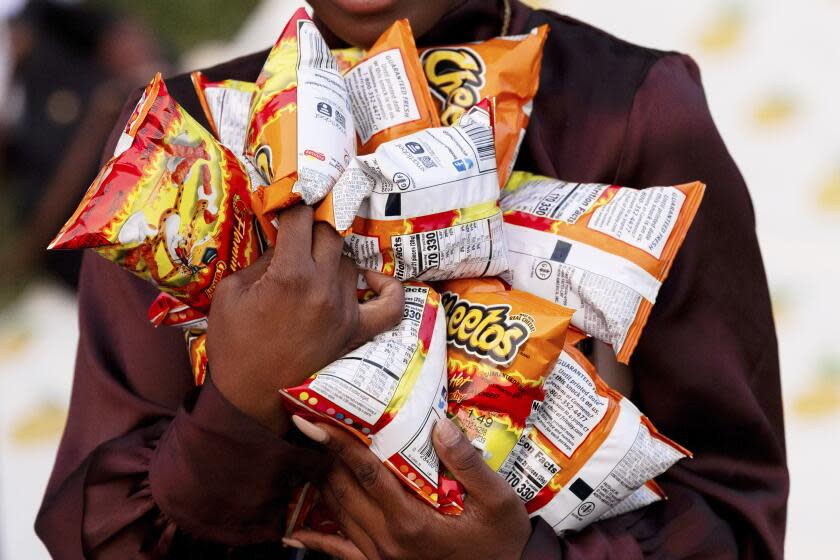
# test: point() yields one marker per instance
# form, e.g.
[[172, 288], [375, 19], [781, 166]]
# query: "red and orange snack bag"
[[171, 206], [588, 452], [502, 344], [504, 68], [388, 90], [301, 134], [602, 250], [389, 393]]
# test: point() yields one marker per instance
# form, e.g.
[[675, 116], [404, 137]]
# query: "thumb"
[[384, 312], [465, 462]]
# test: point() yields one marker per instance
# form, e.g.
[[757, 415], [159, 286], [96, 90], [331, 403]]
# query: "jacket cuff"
[[543, 544], [222, 476]]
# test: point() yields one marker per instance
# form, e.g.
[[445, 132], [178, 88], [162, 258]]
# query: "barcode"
[[481, 136], [427, 452], [312, 49]]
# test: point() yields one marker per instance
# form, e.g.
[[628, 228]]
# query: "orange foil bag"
[[389, 393], [226, 105], [388, 90], [300, 136], [602, 250], [502, 344], [505, 68], [588, 453], [425, 206], [171, 206]]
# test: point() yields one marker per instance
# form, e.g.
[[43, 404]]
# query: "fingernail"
[[447, 432], [293, 543], [310, 430]]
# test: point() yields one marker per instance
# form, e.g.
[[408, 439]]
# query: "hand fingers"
[[350, 502], [367, 469], [327, 246], [466, 464], [361, 538], [294, 236], [384, 312], [253, 272], [333, 545]]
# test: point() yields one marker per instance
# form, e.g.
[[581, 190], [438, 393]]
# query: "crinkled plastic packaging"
[[301, 135], [502, 344], [588, 452], [602, 250], [505, 68], [648, 494], [226, 104], [427, 204], [171, 206], [389, 393], [388, 90]]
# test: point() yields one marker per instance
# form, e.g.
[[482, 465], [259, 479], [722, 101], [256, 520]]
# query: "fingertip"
[[292, 542], [379, 282], [447, 433]]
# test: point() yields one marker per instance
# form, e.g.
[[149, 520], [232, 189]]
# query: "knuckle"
[[409, 533], [503, 501], [467, 459], [367, 474], [390, 550], [228, 286]]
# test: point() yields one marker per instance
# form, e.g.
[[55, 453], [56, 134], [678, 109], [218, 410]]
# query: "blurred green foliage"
[[183, 24]]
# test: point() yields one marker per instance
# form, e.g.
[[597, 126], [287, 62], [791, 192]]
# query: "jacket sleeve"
[[150, 466], [706, 368]]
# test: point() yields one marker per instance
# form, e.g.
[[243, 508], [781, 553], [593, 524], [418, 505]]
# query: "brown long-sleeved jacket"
[[149, 465]]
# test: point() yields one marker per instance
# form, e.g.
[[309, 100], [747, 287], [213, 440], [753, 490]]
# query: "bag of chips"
[[648, 494], [348, 57], [227, 106], [388, 90], [502, 344], [171, 206], [300, 135], [427, 204], [504, 68], [389, 393], [602, 250], [587, 450]]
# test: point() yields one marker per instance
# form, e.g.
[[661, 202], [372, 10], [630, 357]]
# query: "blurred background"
[[770, 68]]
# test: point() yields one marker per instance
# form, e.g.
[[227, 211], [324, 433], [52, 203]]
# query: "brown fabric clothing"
[[150, 466]]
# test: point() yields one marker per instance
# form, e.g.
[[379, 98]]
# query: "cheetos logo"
[[456, 76], [484, 331]]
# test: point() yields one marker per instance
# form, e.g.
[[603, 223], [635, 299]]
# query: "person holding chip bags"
[[152, 466]]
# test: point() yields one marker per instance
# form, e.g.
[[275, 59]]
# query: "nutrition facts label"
[[465, 250], [364, 381], [553, 199], [381, 94], [230, 108], [529, 468]]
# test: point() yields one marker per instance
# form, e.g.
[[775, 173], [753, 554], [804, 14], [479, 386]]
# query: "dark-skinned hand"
[[289, 314], [380, 520]]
